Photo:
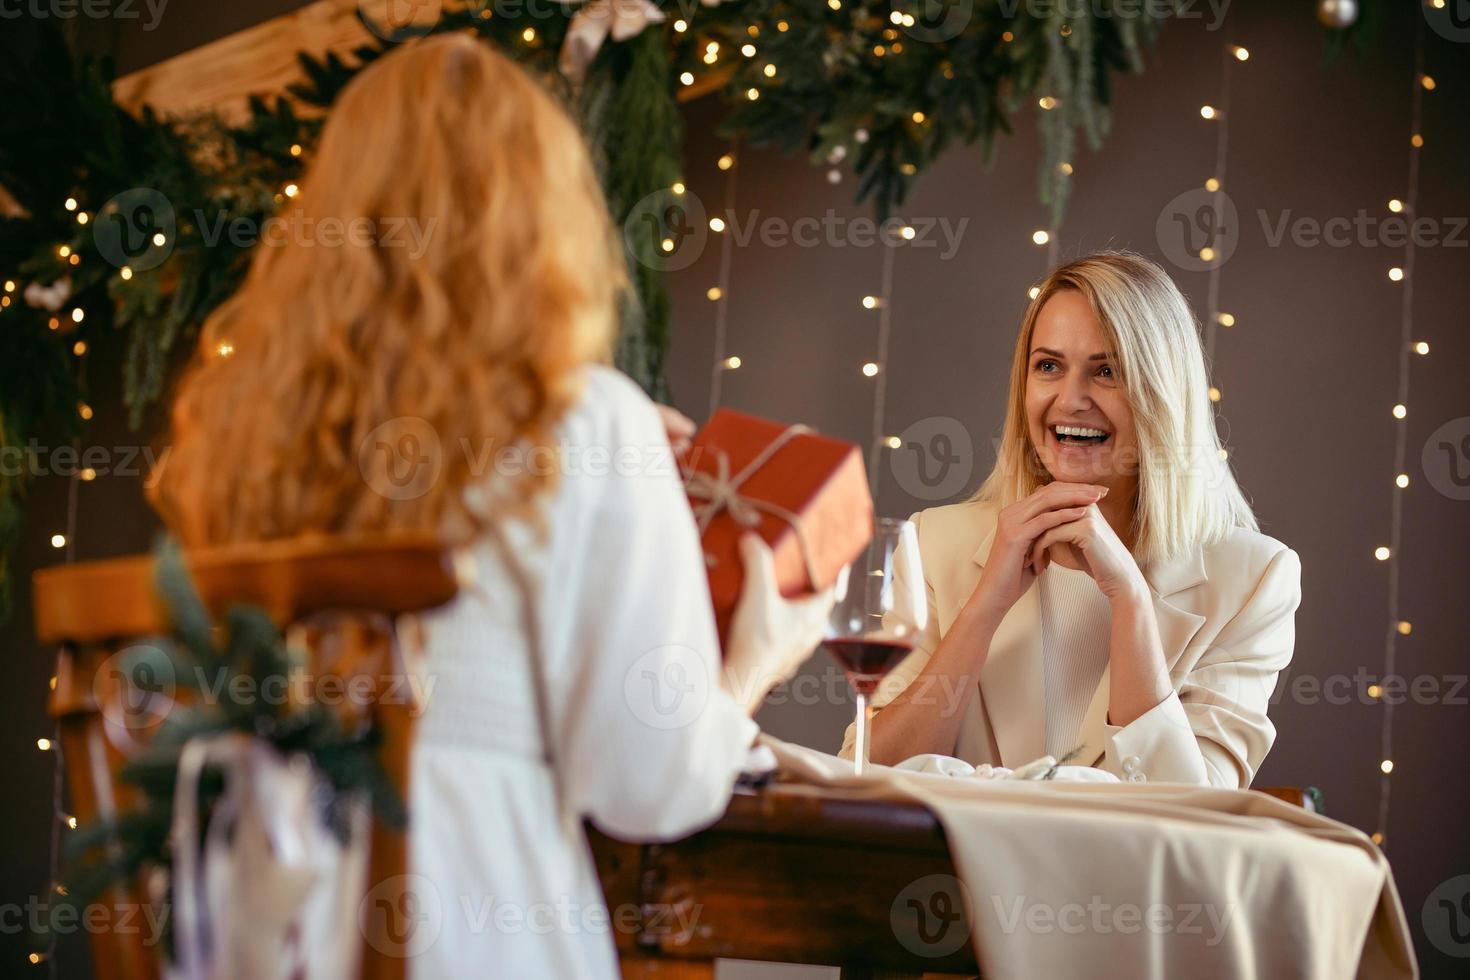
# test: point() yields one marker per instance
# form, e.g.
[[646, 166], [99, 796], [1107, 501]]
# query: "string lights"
[[719, 294], [1392, 552], [1232, 56]]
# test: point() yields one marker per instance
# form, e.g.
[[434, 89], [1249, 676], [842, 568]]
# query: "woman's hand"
[[677, 426], [1089, 543], [1010, 570], [770, 636]]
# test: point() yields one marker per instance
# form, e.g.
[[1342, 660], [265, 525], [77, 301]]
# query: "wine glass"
[[881, 608]]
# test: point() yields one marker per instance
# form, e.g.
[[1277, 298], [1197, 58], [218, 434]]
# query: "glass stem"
[[864, 731]]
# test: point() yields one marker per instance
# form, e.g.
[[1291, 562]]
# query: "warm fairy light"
[[1223, 453], [126, 272], [1428, 82], [710, 57], [748, 50], [1376, 837], [1396, 206], [1405, 627], [678, 187], [75, 260], [1008, 37], [10, 285], [1386, 765], [1041, 237], [79, 348], [88, 474], [71, 204], [1417, 141], [687, 77], [296, 149], [1241, 54], [879, 50], [1396, 274], [714, 293], [782, 26], [908, 169], [1214, 394], [769, 71], [907, 231], [35, 958], [225, 348], [1381, 553], [753, 30], [1207, 254], [870, 369], [58, 541], [752, 94], [896, 17], [52, 682], [64, 251], [717, 224], [1212, 185], [1375, 691], [159, 239], [917, 117], [870, 302], [78, 315], [726, 162], [1225, 319], [54, 323], [85, 411], [1399, 411], [1034, 292], [71, 823], [1065, 168], [290, 190], [1422, 347], [732, 362], [893, 442], [667, 244], [1402, 480], [528, 35], [44, 744], [835, 4], [1208, 111], [82, 217], [681, 25], [1047, 102]]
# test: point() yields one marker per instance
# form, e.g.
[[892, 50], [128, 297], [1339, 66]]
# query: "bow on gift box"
[[721, 491]]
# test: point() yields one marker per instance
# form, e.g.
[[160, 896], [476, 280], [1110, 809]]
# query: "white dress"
[[647, 743]]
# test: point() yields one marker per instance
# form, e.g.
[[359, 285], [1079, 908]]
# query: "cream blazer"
[[1226, 619]]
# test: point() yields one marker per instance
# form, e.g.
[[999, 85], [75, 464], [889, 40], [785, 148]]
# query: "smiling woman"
[[1106, 595]]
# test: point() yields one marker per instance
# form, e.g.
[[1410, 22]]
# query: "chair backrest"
[[94, 610]]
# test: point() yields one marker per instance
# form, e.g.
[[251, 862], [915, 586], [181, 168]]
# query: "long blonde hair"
[[1187, 496], [489, 276]]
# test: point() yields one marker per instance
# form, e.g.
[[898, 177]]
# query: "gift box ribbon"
[[722, 493]]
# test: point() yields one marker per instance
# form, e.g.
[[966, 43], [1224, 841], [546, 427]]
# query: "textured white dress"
[[647, 744]]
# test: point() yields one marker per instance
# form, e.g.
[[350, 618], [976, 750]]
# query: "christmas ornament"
[[1337, 14]]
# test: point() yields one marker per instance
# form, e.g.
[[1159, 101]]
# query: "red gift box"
[[804, 493]]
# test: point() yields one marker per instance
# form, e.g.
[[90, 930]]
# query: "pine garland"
[[870, 86]]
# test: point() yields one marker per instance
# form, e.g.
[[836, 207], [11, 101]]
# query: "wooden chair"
[[92, 611]]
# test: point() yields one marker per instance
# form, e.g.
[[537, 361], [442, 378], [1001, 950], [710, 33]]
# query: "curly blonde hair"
[[475, 322]]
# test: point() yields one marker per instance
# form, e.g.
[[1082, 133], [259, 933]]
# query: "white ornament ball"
[[1337, 14]]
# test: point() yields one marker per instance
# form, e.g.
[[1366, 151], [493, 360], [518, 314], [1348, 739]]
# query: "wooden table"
[[790, 874]]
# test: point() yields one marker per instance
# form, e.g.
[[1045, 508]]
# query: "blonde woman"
[[357, 387], [1106, 594]]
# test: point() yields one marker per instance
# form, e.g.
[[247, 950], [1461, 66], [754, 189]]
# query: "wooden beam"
[[261, 60]]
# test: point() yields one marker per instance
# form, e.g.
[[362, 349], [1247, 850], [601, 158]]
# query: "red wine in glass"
[[881, 608], [867, 660]]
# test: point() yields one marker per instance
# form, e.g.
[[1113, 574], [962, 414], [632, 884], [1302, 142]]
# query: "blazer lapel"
[[1011, 680], [1176, 628]]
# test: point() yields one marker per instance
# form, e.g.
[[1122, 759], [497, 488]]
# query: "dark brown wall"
[[1309, 375]]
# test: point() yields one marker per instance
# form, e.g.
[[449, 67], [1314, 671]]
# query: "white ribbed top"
[[1076, 622]]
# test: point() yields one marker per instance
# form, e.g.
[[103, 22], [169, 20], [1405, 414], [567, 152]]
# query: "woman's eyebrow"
[[1057, 353]]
